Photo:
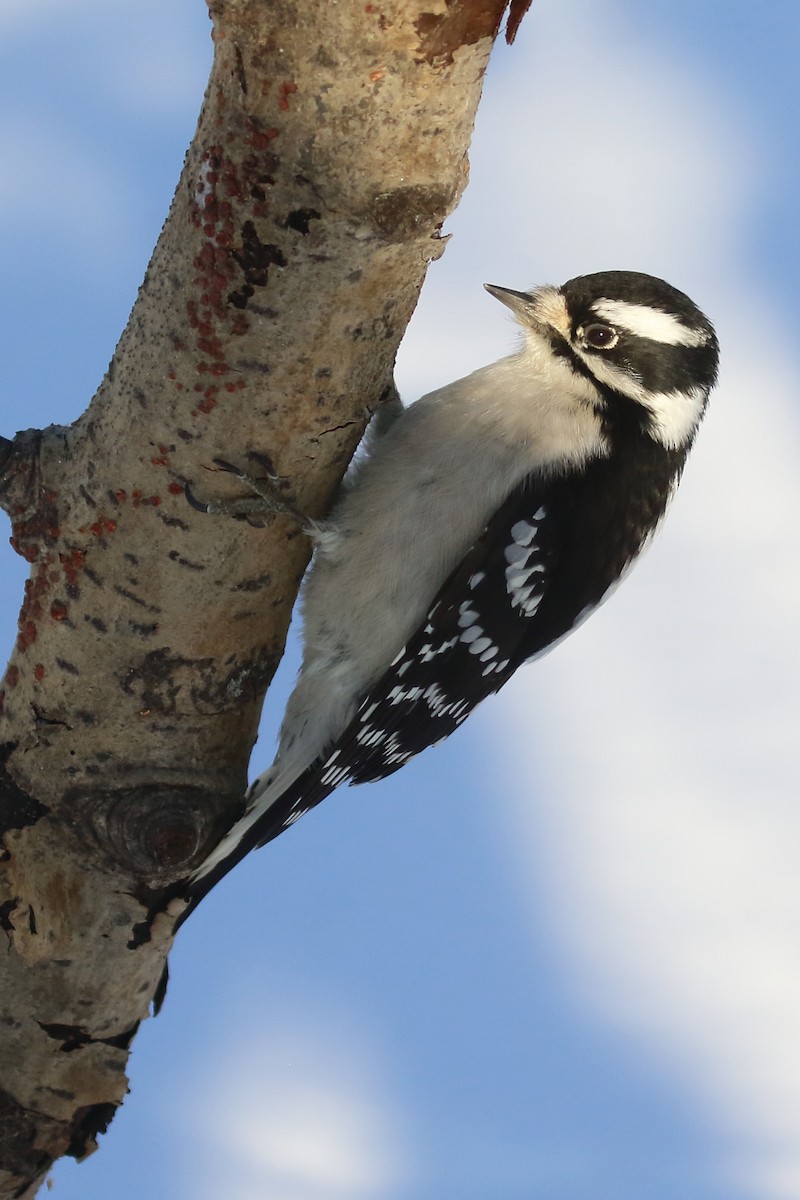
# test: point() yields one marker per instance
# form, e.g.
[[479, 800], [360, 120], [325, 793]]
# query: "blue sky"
[[559, 957]]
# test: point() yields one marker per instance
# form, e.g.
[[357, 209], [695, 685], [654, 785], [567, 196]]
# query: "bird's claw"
[[267, 500], [193, 501]]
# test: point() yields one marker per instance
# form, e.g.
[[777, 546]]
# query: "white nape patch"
[[651, 323], [676, 415]]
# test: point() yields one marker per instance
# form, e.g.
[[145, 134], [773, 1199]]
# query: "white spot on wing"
[[517, 554], [523, 533]]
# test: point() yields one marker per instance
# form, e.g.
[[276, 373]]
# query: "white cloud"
[[591, 153], [301, 1116], [665, 845]]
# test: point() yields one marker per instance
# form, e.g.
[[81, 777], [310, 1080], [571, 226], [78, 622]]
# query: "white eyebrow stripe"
[[650, 323]]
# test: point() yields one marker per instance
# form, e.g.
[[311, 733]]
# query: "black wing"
[[543, 562], [491, 614]]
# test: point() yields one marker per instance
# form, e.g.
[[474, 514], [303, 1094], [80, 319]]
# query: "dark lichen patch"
[[408, 212], [255, 259], [300, 219], [17, 808], [88, 1122]]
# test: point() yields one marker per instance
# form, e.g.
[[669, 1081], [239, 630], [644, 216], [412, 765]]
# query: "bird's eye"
[[598, 335]]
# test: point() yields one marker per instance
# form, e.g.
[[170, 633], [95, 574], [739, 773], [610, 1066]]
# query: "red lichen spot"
[[175, 488], [38, 671], [26, 636], [239, 325], [207, 405], [261, 139], [12, 676], [286, 90], [232, 185], [58, 610], [110, 526], [210, 345], [162, 461], [219, 368], [71, 564], [30, 553], [375, 76], [155, 500], [121, 496]]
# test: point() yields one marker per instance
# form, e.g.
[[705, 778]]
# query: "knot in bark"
[[155, 830]]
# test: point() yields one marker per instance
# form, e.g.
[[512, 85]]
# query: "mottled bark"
[[330, 148]]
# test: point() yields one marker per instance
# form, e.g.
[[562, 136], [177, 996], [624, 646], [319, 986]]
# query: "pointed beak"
[[520, 303], [542, 309]]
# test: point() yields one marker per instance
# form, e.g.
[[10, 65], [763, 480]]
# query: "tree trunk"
[[330, 148]]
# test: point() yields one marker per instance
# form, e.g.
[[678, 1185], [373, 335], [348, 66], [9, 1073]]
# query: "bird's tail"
[[274, 802]]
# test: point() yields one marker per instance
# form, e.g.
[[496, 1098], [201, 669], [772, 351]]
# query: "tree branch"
[[330, 148]]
